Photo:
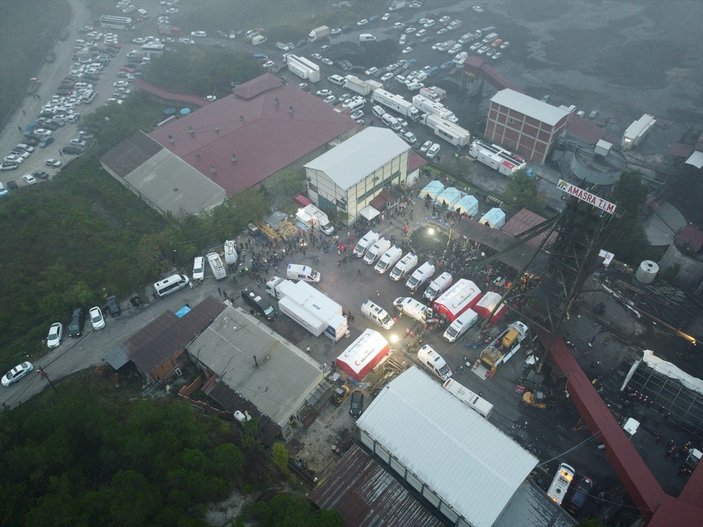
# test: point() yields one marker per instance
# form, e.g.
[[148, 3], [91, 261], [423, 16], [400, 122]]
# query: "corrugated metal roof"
[[366, 495], [530, 507], [530, 106], [360, 155], [467, 461], [280, 379]]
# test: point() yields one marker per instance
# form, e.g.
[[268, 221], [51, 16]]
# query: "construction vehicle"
[[339, 394], [267, 231], [536, 398], [500, 350]]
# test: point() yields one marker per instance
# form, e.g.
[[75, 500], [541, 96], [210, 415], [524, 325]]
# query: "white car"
[[16, 373], [335, 31], [409, 30], [385, 16], [29, 179], [53, 339], [96, 317], [210, 98], [371, 71], [398, 25], [410, 137], [407, 50], [41, 133], [316, 56], [327, 61], [357, 114], [198, 34], [386, 76], [362, 22], [425, 146], [323, 93], [330, 99], [433, 151]]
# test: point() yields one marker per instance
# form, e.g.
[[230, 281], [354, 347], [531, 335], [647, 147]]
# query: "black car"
[[40, 174], [31, 141], [75, 326], [72, 150], [113, 306], [11, 185], [258, 303], [46, 142], [356, 403], [581, 491]]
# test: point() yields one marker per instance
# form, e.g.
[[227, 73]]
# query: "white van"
[[336, 79], [420, 276], [461, 325], [390, 121], [434, 362], [366, 37], [389, 259], [198, 269], [414, 309], [356, 104], [376, 313], [171, 284], [404, 267], [438, 286], [560, 483], [302, 272], [378, 111], [376, 250], [365, 242]]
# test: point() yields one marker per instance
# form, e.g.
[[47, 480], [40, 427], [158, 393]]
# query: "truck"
[[366, 241], [450, 132], [438, 286], [360, 86], [416, 310], [458, 298], [433, 93], [376, 250], [395, 103], [404, 267], [309, 307], [218, 268], [318, 33], [500, 350], [429, 106], [303, 68], [496, 157], [258, 40], [420, 276], [389, 259], [315, 218]]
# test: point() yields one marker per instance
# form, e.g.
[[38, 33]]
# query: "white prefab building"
[[450, 132], [303, 68], [348, 177], [497, 158], [444, 449], [637, 131]]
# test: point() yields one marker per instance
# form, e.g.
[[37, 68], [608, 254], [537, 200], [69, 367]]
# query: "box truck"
[[218, 268]]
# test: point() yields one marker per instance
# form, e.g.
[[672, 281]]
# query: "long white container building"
[[303, 68], [396, 103], [636, 132], [497, 158], [312, 309], [450, 132], [427, 105]]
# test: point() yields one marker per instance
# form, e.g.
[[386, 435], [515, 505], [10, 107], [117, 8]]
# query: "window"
[[312, 187]]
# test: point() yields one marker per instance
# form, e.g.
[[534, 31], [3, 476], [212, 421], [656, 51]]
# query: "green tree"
[[280, 457], [626, 237], [285, 510], [228, 461], [522, 192]]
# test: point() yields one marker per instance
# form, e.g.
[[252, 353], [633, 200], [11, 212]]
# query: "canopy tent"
[[449, 197], [467, 205], [432, 189], [494, 218], [368, 212]]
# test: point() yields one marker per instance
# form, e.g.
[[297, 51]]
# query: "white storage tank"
[[647, 271]]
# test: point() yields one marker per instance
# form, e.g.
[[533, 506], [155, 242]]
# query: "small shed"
[[494, 218], [432, 189], [467, 205], [449, 197]]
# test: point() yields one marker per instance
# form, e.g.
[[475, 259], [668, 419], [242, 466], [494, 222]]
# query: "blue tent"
[[494, 218], [449, 197], [432, 189], [467, 205]]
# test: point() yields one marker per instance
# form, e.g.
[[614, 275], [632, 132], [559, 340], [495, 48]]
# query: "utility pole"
[[44, 375]]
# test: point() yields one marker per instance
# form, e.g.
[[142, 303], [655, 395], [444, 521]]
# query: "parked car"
[[425, 146], [356, 403], [72, 150], [581, 491], [16, 373], [9, 165], [96, 317], [357, 114], [433, 151], [113, 306], [51, 162], [198, 34], [75, 326], [29, 179], [53, 339]]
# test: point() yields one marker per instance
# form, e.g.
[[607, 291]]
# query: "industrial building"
[[524, 124], [444, 450], [192, 164], [348, 177]]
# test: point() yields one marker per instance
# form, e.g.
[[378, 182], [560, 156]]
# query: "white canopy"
[[368, 212], [494, 218], [432, 189], [449, 197], [467, 205]]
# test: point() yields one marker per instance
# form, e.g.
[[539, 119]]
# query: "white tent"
[[432, 189], [449, 197], [369, 212], [467, 205], [494, 218]]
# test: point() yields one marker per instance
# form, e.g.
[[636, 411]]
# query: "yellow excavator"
[[535, 398]]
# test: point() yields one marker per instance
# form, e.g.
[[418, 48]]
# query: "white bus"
[[469, 398], [123, 23], [169, 285], [560, 483]]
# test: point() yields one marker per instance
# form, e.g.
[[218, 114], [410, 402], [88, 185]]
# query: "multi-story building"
[[525, 125]]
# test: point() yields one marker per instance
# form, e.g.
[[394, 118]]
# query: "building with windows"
[[525, 125], [348, 177]]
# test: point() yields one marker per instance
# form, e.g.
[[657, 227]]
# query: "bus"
[[560, 483], [123, 23], [171, 284]]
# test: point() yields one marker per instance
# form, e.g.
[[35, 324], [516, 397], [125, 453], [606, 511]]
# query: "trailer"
[[218, 268], [450, 132], [363, 355], [462, 295], [303, 68], [431, 107], [310, 308], [497, 158], [360, 86], [637, 131], [469, 398], [507, 344], [433, 93], [318, 33], [396, 103]]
